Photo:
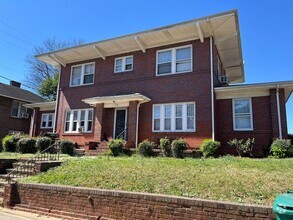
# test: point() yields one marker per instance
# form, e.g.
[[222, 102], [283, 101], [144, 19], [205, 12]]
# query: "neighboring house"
[[15, 117], [175, 81]]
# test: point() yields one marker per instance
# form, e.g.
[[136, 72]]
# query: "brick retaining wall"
[[86, 203]]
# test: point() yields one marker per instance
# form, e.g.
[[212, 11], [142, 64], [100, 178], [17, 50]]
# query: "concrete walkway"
[[8, 214]]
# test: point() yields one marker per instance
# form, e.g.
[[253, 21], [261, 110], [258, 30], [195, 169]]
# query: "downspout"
[[212, 88], [57, 102], [136, 129], [279, 113]]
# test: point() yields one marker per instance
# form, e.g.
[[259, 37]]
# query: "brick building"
[[180, 80]]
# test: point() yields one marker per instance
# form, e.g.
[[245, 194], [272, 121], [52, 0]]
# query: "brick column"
[[34, 122], [99, 113], [131, 124]]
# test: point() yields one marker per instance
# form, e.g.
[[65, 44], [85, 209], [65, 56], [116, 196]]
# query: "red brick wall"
[[193, 86], [88, 203]]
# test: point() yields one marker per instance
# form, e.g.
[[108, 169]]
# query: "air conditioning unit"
[[81, 129], [223, 79], [24, 115]]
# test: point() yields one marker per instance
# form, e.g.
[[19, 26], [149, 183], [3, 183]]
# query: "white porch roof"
[[116, 100], [223, 27], [44, 106]]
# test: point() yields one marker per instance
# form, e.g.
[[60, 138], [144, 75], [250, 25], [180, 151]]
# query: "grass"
[[11, 155], [233, 179]]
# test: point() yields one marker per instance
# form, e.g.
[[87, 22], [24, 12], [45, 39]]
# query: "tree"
[[39, 71], [48, 87]]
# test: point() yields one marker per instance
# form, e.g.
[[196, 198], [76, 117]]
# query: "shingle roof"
[[19, 94]]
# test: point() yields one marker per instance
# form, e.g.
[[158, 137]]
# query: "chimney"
[[15, 84]]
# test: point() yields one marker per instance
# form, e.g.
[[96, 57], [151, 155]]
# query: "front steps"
[[101, 149]]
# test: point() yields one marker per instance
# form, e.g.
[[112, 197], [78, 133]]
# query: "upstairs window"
[[242, 114], [175, 60], [79, 120], [82, 74], [18, 110], [123, 64], [47, 120]]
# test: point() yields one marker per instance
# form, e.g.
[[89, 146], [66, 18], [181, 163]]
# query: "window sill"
[[188, 131], [125, 71], [76, 133], [176, 73], [81, 85], [242, 129]]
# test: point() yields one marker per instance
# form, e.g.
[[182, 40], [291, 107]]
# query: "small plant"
[[26, 145], [282, 148], [209, 148], [66, 146], [43, 143], [244, 149], [9, 142], [178, 146], [145, 148], [165, 146], [116, 147]]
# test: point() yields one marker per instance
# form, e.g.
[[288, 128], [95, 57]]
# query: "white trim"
[[78, 120], [251, 115], [47, 121], [114, 127], [279, 113], [82, 74], [123, 64], [173, 117], [173, 60]]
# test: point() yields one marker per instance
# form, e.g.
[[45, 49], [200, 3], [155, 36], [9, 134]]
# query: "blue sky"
[[265, 26]]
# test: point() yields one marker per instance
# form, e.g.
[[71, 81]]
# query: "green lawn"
[[229, 178], [10, 155]]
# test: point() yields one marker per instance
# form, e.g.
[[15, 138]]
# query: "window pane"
[[157, 124], [67, 126], [50, 124], [119, 62], [44, 124], [90, 115], [44, 120], [242, 122], [164, 68], [76, 75], [178, 123], [190, 109], [157, 112], [183, 54], [75, 114], [89, 125], [164, 57], [190, 122], [128, 60], [14, 109], [167, 111], [178, 110], [242, 106], [89, 69], [50, 117], [74, 128], [118, 68], [68, 115], [82, 114], [183, 66], [22, 109], [128, 67], [88, 79], [167, 124]]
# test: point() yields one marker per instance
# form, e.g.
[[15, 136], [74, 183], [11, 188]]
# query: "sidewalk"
[[8, 214]]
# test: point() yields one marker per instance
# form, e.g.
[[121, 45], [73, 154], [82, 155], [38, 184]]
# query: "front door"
[[120, 123]]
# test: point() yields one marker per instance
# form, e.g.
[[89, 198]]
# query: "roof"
[[19, 94], [256, 89], [117, 100], [223, 27], [43, 106]]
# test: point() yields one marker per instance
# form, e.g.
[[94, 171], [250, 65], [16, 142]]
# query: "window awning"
[[116, 100]]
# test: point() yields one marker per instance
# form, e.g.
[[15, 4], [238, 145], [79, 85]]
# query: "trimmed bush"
[[145, 148], [26, 145], [209, 148], [116, 147], [282, 148], [43, 143], [244, 149], [178, 146], [165, 146], [66, 146], [9, 142]]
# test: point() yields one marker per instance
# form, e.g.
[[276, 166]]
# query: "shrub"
[[209, 148], [9, 142], [244, 149], [66, 146], [282, 148], [178, 146], [116, 147], [145, 148], [43, 143], [165, 146], [26, 145]]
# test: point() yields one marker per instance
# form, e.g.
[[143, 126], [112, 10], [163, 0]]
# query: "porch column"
[[34, 122], [131, 125], [99, 113]]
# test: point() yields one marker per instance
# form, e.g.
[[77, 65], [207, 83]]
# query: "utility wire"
[[25, 41], [9, 68], [14, 80], [26, 49]]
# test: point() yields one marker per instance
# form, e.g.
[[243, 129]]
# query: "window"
[[219, 66], [175, 60], [78, 120], [123, 64], [17, 109], [176, 117], [242, 111], [82, 74], [47, 120]]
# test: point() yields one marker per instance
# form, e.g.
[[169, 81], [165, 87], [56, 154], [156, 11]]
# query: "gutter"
[[57, 102], [136, 129], [212, 88], [279, 113]]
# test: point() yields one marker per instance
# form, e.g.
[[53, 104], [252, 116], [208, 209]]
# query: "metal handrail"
[[28, 165], [118, 136]]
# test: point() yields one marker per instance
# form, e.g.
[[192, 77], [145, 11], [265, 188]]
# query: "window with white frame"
[[242, 112], [47, 120], [18, 109], [82, 74], [175, 60], [123, 64], [174, 117], [78, 120]]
